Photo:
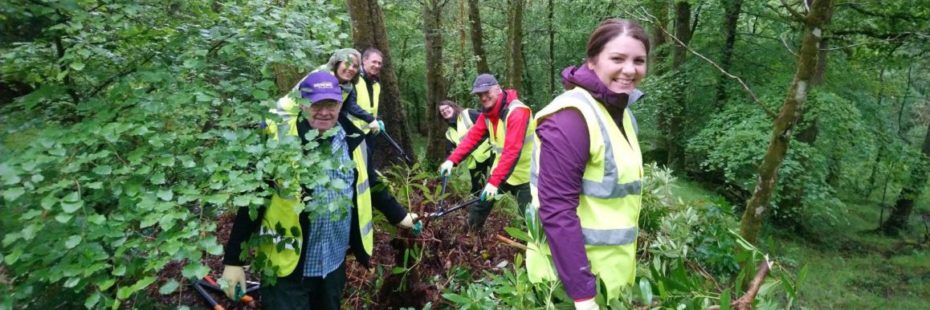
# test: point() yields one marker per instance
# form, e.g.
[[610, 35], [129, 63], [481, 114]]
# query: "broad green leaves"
[[140, 131]]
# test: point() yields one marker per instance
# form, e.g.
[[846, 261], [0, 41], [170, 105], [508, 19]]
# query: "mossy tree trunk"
[[436, 84], [477, 43], [791, 111]]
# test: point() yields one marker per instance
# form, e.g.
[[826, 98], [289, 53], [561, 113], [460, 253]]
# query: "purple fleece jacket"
[[562, 159]]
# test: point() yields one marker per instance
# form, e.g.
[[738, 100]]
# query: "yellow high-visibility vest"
[[610, 200], [455, 135], [368, 102], [521, 171]]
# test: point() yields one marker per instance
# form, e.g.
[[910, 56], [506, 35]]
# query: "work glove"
[[588, 304], [446, 168], [412, 222], [374, 126], [235, 281], [489, 192], [381, 124]]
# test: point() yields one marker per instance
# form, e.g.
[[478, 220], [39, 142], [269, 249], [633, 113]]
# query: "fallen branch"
[[509, 242], [745, 302]]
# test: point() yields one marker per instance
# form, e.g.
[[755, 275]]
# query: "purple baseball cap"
[[319, 86], [483, 83]]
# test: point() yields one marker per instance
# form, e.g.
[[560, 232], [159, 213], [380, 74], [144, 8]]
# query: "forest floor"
[[850, 266]]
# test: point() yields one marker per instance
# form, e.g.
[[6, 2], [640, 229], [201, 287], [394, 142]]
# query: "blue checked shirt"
[[328, 233]]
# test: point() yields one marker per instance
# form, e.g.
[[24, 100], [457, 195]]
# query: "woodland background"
[[789, 131]]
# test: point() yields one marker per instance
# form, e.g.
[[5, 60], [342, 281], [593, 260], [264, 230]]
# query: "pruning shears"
[[208, 282]]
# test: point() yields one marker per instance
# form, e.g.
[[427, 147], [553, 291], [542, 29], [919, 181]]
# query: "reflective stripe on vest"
[[610, 200], [520, 173], [363, 197]]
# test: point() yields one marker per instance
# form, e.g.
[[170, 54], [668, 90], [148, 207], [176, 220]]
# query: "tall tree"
[[477, 43], [731, 11], [514, 52], [436, 85], [791, 111], [673, 110], [551, 60], [659, 9], [911, 191], [368, 31]]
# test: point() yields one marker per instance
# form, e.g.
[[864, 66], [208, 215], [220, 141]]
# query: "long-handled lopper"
[[441, 212], [209, 282], [397, 147]]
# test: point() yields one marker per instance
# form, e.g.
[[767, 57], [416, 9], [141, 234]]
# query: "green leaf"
[[119, 271], [106, 284], [70, 207], [158, 178], [103, 170], [77, 66], [194, 271], [169, 287], [72, 242], [218, 199], [456, 298], [92, 301], [63, 218], [97, 219], [519, 234], [95, 185], [13, 193], [72, 282], [725, 300], [165, 194]]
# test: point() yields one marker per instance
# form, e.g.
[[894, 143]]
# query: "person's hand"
[[235, 277], [408, 221], [588, 304], [374, 127], [489, 192], [446, 168], [412, 222]]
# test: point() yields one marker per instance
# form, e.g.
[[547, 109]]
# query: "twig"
[[794, 13], [509, 242], [785, 43], [752, 95]]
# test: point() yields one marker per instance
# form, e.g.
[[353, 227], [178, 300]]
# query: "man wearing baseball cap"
[[509, 124], [307, 252]]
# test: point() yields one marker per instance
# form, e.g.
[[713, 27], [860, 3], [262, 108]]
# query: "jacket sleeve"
[[243, 228], [562, 159], [475, 136], [517, 122], [351, 107]]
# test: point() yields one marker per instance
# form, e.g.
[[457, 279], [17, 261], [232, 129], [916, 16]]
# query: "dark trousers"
[[479, 175], [478, 214], [296, 292]]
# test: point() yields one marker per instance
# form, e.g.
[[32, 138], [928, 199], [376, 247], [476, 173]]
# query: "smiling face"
[[373, 64], [347, 69], [489, 98], [621, 65], [446, 112], [322, 115]]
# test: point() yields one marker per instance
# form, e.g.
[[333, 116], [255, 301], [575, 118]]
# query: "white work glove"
[[446, 168], [374, 126], [408, 221], [234, 275], [489, 192], [586, 305]]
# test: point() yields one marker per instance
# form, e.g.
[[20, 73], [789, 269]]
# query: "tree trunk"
[[731, 9], [474, 18], [368, 31], [436, 86], [553, 74], [673, 110], [791, 111], [658, 53], [911, 191], [514, 52]]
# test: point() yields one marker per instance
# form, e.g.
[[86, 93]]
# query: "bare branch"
[[794, 13], [782, 38], [752, 95]]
